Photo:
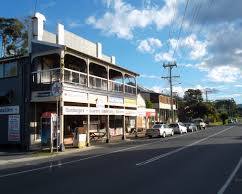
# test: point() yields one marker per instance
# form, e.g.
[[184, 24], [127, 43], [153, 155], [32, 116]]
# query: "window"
[[8, 70], [1, 70]]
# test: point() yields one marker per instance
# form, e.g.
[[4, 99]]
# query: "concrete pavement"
[[199, 162]]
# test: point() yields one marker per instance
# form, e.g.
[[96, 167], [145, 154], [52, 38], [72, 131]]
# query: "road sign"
[[56, 89]]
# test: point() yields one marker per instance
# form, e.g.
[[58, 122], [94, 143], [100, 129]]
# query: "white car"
[[200, 123], [178, 127], [159, 130]]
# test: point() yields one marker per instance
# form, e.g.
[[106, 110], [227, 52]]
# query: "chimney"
[[99, 50], [38, 26], [60, 34], [113, 60]]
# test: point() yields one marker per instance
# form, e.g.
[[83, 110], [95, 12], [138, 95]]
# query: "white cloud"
[[122, 18], [224, 74], [197, 49], [238, 86], [167, 56], [149, 45]]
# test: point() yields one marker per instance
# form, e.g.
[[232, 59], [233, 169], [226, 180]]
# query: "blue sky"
[[143, 34]]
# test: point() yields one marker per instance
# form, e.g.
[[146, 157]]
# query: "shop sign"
[[13, 127], [74, 110], [94, 98], [71, 96], [115, 100], [130, 112], [129, 102], [6, 110]]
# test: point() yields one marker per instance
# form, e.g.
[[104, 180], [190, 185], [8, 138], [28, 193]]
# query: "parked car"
[[159, 130], [191, 127], [178, 127], [230, 121], [200, 123]]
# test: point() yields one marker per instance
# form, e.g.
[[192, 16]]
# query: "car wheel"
[[172, 133], [150, 136], [164, 134]]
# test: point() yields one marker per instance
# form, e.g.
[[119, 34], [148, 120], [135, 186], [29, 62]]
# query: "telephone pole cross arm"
[[170, 79]]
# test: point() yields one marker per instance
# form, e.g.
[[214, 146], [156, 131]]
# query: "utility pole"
[[170, 77]]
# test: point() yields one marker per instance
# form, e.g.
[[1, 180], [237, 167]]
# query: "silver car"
[[159, 130]]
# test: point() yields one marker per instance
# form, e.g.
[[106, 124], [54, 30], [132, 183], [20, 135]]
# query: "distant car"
[[230, 121], [178, 127], [200, 123], [159, 130], [191, 127]]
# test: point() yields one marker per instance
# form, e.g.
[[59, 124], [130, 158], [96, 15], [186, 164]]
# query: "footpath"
[[14, 158]]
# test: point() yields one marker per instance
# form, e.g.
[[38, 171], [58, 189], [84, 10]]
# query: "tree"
[[192, 106], [193, 96], [223, 117], [13, 36], [149, 104]]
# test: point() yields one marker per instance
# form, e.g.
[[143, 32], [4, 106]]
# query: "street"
[[199, 162]]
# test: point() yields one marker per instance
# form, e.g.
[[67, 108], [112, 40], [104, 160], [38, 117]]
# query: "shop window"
[[10, 69]]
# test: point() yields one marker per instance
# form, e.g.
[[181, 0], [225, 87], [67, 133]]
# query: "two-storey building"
[[94, 93]]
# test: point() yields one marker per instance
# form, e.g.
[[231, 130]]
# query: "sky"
[[204, 37]]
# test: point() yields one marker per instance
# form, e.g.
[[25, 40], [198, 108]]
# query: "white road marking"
[[179, 149], [90, 157], [227, 183]]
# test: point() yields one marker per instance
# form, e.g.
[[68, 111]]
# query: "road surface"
[[203, 162]]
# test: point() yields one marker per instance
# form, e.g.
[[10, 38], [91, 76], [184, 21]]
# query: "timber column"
[[62, 65]]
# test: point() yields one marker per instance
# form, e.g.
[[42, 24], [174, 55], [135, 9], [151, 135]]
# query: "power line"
[[179, 34]]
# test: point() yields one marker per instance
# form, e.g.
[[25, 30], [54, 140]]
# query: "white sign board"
[[75, 110], [6, 110], [71, 96], [13, 127], [116, 101]]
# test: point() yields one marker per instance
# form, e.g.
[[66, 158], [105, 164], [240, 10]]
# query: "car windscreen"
[[156, 126]]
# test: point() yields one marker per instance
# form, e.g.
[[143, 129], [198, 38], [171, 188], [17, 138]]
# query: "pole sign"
[[56, 89], [13, 127]]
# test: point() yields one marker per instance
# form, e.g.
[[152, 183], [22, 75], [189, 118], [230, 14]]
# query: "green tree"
[[13, 36], [149, 104], [223, 116], [192, 106]]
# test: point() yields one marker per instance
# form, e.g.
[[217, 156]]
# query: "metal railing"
[[98, 82], [78, 78], [115, 86], [130, 89], [46, 76], [75, 77]]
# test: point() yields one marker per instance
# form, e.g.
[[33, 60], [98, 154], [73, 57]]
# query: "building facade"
[[69, 78]]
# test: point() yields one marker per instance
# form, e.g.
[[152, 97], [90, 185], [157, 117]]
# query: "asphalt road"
[[204, 162]]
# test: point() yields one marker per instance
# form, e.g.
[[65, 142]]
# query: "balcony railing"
[[115, 86], [130, 89], [78, 78], [75, 77], [46, 76], [98, 82]]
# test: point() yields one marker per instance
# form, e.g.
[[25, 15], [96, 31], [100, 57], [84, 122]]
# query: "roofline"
[[103, 61]]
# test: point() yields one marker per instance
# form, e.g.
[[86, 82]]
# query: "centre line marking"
[[178, 149]]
